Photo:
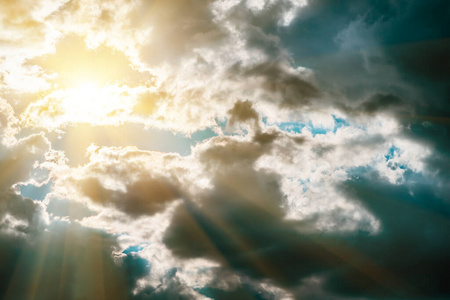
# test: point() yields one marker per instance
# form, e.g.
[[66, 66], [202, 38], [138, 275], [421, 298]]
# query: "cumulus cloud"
[[142, 197], [36, 249], [18, 156], [246, 202], [304, 149]]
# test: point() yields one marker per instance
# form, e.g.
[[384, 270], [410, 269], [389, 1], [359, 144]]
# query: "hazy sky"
[[256, 149]]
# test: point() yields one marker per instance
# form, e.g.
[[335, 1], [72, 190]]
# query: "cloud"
[[100, 65], [305, 149], [280, 82], [17, 156], [176, 33], [379, 101], [242, 111], [356, 56], [142, 197], [59, 255], [262, 194], [21, 216], [397, 207]]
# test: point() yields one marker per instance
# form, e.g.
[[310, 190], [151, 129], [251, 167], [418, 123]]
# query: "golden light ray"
[[16, 281], [42, 253], [343, 252], [65, 261], [263, 266], [93, 258]]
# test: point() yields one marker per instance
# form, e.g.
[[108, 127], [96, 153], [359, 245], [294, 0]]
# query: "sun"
[[84, 98], [91, 103], [85, 103]]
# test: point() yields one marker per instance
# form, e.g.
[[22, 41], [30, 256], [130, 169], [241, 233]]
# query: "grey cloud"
[[249, 236], [17, 160], [169, 288], [20, 216], [66, 208], [231, 154], [379, 102], [145, 196], [242, 111], [177, 29], [381, 57], [176, 33], [267, 16], [17, 157], [390, 47], [412, 246], [288, 88], [238, 224], [433, 132], [66, 261], [244, 289]]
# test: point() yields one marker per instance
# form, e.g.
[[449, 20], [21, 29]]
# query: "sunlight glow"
[[86, 103], [86, 99], [89, 103]]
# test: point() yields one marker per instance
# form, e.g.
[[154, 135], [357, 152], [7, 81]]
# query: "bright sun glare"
[[89, 102], [86, 98]]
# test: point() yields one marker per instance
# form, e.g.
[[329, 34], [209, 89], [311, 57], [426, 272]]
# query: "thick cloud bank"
[[224, 149]]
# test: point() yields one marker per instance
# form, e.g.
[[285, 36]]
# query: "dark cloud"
[[251, 237], [43, 260], [66, 261], [246, 232], [20, 216], [169, 288], [379, 102], [240, 224], [434, 132], [395, 47], [230, 154], [244, 291], [412, 245], [143, 197], [280, 83], [242, 111]]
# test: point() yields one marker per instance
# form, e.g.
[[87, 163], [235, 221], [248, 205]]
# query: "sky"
[[224, 149]]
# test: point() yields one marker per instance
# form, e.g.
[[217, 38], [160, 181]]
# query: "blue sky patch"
[[36, 192], [135, 248]]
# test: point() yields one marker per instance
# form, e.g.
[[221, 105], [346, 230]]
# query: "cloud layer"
[[275, 149]]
